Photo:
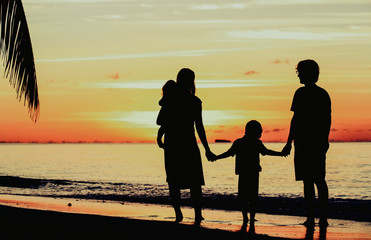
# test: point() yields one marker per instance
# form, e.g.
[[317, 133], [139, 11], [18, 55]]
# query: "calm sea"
[[137, 171]]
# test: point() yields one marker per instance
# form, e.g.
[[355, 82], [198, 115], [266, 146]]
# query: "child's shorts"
[[248, 187]]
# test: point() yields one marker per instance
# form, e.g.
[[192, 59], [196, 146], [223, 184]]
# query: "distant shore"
[[350, 209]]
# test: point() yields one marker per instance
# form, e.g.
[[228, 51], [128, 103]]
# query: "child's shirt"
[[247, 152]]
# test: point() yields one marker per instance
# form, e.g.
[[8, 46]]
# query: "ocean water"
[[136, 172]]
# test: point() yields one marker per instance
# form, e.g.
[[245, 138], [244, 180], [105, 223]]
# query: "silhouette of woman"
[[178, 116]]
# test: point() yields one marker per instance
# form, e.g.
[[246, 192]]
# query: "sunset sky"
[[101, 65]]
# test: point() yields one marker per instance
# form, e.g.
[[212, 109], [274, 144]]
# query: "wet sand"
[[62, 217]]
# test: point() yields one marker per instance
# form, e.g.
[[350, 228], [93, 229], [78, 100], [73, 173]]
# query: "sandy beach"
[[41, 216]]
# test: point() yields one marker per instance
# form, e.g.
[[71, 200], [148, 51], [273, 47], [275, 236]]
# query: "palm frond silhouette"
[[17, 55]]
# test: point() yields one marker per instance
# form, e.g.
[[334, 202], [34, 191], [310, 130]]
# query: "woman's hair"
[[186, 80], [253, 129], [308, 70]]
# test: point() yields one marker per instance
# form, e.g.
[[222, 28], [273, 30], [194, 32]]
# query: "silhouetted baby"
[[168, 92], [247, 150]]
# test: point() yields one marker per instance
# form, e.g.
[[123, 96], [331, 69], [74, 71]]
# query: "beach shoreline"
[[41, 224], [110, 217], [339, 208]]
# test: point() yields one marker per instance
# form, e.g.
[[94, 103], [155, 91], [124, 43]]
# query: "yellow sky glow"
[[101, 65]]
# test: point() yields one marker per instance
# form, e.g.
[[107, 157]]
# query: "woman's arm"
[[202, 134], [160, 133], [266, 151], [273, 153]]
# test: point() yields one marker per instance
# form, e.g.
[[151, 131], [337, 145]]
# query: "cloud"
[[207, 21], [134, 118], [219, 6], [306, 2], [277, 34], [206, 7], [359, 130], [111, 17], [184, 53], [114, 76], [279, 61], [251, 72], [157, 84], [74, 1], [276, 130], [146, 5], [147, 119]]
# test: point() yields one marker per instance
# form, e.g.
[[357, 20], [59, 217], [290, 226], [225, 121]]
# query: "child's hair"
[[253, 129], [169, 88]]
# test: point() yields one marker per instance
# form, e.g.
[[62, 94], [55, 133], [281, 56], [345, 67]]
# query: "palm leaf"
[[17, 55]]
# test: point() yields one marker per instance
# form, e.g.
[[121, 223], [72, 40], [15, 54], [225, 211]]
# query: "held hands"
[[283, 154], [286, 150], [211, 157]]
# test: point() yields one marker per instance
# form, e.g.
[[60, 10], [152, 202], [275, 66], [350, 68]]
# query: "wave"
[[351, 209], [19, 182]]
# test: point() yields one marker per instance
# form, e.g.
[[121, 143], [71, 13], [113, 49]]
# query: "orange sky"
[[101, 66]]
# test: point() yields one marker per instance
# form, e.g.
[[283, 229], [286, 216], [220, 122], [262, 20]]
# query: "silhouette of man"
[[310, 128]]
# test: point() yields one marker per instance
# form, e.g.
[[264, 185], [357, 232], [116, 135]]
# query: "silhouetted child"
[[168, 92], [247, 150]]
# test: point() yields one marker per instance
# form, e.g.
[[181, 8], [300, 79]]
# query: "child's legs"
[[196, 196], [248, 185], [254, 197], [242, 197]]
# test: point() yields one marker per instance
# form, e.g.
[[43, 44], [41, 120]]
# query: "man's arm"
[[287, 149]]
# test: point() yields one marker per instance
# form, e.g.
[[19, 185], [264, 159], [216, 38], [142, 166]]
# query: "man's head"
[[308, 71]]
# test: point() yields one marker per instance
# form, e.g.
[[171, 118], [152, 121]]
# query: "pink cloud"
[[251, 72], [279, 61], [114, 76]]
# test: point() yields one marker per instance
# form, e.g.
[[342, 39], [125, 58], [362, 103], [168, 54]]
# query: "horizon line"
[[154, 142]]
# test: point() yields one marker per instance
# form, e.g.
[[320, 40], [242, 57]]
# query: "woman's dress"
[[182, 156]]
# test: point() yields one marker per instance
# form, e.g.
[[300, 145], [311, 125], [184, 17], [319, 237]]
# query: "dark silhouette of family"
[[181, 111]]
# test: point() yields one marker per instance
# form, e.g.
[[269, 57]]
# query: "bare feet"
[[252, 228], [243, 227], [198, 220], [323, 223], [309, 223], [179, 216]]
